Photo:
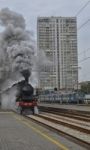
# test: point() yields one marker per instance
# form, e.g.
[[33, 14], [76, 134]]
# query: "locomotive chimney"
[[26, 75]]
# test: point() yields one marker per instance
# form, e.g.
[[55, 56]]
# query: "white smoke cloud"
[[16, 45], [21, 56], [42, 61], [17, 48], [8, 17], [17, 53]]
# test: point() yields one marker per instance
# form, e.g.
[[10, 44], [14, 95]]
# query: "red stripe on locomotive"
[[33, 103]]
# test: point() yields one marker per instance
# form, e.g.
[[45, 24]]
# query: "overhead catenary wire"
[[82, 25], [87, 21], [86, 4], [84, 52], [84, 59]]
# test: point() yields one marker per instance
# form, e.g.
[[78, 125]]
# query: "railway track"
[[76, 130], [80, 126], [71, 124], [67, 113]]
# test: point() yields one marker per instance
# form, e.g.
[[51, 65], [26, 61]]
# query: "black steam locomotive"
[[26, 101]]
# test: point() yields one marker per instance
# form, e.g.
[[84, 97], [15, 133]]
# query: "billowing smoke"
[[41, 61], [16, 45], [17, 49], [8, 98], [8, 17]]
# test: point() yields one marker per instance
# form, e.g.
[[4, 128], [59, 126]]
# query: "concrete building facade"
[[57, 37]]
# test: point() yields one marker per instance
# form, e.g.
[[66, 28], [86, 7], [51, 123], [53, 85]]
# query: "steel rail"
[[76, 127], [67, 113], [64, 134]]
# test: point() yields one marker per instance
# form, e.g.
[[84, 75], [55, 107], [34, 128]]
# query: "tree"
[[85, 87]]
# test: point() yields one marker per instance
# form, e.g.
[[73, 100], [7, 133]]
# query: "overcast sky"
[[31, 9]]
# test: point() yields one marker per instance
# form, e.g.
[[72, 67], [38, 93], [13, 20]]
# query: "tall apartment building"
[[57, 37]]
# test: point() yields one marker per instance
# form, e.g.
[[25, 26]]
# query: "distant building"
[[57, 37]]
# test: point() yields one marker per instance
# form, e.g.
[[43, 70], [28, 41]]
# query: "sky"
[[31, 9]]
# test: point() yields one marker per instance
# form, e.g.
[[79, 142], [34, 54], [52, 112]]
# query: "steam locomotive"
[[26, 101]]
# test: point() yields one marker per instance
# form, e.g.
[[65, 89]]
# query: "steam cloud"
[[16, 45], [17, 49], [16, 52]]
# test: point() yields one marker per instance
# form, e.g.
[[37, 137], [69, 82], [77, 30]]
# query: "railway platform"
[[18, 133]]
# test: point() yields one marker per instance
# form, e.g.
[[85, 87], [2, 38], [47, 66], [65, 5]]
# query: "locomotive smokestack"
[[26, 75]]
